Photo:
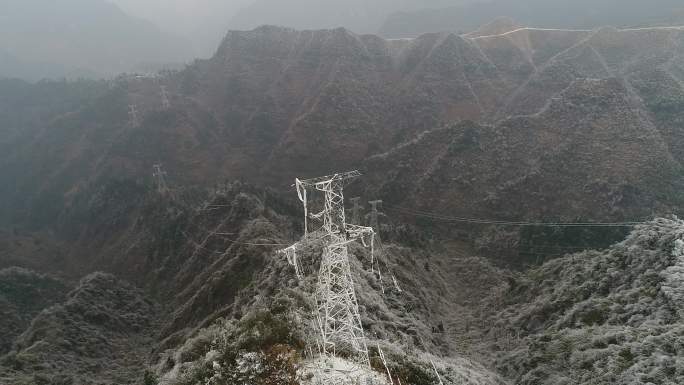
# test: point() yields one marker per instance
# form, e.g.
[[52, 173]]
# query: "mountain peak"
[[282, 42], [498, 26]]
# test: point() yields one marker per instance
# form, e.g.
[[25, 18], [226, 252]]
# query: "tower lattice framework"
[[160, 179], [337, 314], [166, 104]]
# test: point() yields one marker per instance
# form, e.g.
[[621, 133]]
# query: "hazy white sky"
[[203, 22]]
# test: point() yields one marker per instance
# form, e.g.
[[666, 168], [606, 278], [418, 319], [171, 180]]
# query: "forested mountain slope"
[[275, 103], [524, 125]]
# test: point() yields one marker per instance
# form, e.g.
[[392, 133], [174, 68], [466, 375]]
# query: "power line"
[[445, 218], [549, 247], [229, 241], [254, 244]]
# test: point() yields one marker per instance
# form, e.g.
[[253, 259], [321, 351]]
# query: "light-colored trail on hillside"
[[669, 28]]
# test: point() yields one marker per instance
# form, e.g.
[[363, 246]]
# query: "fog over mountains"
[[101, 38], [530, 182], [75, 38], [203, 23], [356, 15], [538, 13]]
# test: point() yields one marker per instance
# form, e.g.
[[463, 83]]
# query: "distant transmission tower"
[[356, 210], [165, 98], [337, 314], [374, 214], [160, 179], [133, 115]]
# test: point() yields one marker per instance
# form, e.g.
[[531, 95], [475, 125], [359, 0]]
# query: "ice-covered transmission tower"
[[166, 104], [356, 210], [160, 179], [133, 115], [374, 214], [337, 310]]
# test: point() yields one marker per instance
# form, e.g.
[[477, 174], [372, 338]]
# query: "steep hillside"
[[564, 125], [23, 294], [528, 167], [106, 330], [255, 324], [27, 111], [100, 334], [505, 124], [599, 317], [216, 271], [235, 309], [498, 26]]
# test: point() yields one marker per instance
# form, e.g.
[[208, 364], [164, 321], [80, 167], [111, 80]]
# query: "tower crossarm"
[[290, 253], [316, 182], [317, 215], [355, 232]]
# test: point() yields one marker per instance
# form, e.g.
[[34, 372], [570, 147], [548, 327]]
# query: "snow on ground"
[[339, 371], [673, 287]]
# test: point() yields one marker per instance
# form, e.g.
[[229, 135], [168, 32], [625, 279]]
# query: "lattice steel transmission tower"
[[133, 115], [337, 312], [160, 179], [356, 210], [166, 104], [374, 214]]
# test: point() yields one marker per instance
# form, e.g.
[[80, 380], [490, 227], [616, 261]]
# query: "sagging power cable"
[[445, 218]]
